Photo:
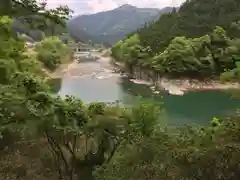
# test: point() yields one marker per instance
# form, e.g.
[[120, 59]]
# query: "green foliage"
[[231, 75], [233, 53], [183, 155], [144, 118], [55, 84], [5, 23], [180, 43], [49, 59], [130, 52], [51, 51], [188, 42], [96, 108], [227, 76], [127, 143], [207, 55], [23, 89], [194, 19]]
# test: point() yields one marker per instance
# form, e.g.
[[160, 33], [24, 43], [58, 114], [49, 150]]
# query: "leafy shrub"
[[49, 59], [227, 76], [96, 108], [51, 51], [232, 75]]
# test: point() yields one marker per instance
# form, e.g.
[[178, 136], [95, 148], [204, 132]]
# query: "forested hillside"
[[194, 19], [110, 26], [83, 36], [200, 39], [46, 27]]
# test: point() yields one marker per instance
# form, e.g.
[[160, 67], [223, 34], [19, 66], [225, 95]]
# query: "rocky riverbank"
[[181, 86], [178, 86]]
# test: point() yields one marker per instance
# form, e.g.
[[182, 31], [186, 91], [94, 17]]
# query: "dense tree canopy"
[[211, 54], [195, 18], [197, 39]]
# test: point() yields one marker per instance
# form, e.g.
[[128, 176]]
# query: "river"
[[97, 83]]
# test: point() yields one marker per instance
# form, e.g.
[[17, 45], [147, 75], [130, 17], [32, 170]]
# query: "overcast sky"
[[93, 6]]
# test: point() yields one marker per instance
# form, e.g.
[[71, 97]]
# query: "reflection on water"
[[194, 107], [91, 89]]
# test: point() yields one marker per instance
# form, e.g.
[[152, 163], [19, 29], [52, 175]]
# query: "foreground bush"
[[188, 153]]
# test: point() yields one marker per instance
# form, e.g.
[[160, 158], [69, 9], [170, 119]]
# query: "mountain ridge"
[[113, 25]]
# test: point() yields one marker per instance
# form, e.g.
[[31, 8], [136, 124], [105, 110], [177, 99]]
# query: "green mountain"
[[111, 26], [194, 19], [201, 39]]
